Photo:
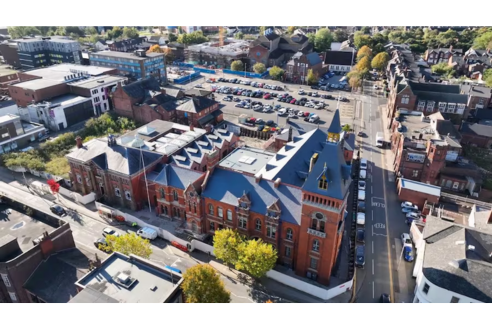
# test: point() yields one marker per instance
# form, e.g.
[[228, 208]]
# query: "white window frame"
[[6, 280], [229, 215], [421, 106], [117, 192], [128, 195], [243, 222], [13, 296], [79, 178], [430, 106], [258, 223], [315, 246], [289, 234], [442, 106], [220, 212], [271, 231], [415, 173], [451, 107], [405, 99]]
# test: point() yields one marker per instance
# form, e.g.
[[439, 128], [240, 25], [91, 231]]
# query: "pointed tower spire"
[[335, 128]]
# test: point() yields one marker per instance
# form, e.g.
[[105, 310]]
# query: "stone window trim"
[[289, 234], [117, 192], [6, 280], [258, 224], [211, 209], [128, 195]]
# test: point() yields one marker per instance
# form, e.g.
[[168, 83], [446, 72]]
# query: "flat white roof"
[[420, 187]]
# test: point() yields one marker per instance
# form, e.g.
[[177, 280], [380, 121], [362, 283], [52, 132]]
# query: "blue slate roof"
[[227, 186], [338, 173], [335, 126], [313, 59], [175, 176]]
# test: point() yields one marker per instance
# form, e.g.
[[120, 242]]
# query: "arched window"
[[314, 224], [322, 226], [161, 192], [315, 245], [189, 206], [258, 224], [175, 195], [210, 209], [194, 208], [289, 234]]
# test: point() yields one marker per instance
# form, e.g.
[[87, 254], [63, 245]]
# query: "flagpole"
[[145, 177]]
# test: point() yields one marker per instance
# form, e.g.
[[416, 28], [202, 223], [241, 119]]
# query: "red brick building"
[[476, 134], [145, 101], [418, 193], [7, 77]]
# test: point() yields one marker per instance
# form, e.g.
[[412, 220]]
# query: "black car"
[[361, 206], [270, 123], [221, 79], [315, 87], [309, 93], [101, 243], [306, 119], [260, 128], [360, 259], [58, 210], [385, 298], [329, 97], [361, 235]]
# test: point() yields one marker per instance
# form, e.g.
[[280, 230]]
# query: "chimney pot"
[[277, 183], [78, 140], [258, 178]]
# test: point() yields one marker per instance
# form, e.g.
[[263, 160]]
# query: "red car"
[[267, 96], [252, 119], [260, 85], [305, 114], [293, 101]]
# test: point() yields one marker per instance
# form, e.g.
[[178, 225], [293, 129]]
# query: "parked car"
[[147, 233], [362, 174], [100, 244], [259, 121], [385, 298], [361, 218], [282, 111], [408, 253], [260, 128], [58, 210], [315, 87], [408, 204], [363, 164], [292, 115], [360, 236], [361, 206], [270, 123], [406, 240], [360, 260], [361, 196], [314, 119], [406, 210], [362, 185], [227, 99], [109, 231], [198, 86]]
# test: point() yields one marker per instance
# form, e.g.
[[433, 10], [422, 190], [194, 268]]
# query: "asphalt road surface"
[[384, 272]]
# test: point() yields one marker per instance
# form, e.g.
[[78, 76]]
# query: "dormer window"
[[323, 180]]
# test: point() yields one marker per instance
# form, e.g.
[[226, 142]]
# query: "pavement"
[[384, 271]]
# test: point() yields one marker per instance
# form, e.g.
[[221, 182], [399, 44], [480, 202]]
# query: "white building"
[[457, 261]]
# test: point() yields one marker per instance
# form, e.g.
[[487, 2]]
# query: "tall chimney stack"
[[79, 142]]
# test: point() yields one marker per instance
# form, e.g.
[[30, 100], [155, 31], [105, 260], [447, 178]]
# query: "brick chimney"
[[258, 178], [290, 134], [78, 140], [276, 184], [46, 245]]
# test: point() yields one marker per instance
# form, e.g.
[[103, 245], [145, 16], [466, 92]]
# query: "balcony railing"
[[316, 233]]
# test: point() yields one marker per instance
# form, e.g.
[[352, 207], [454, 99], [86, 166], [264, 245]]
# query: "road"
[[384, 221], [87, 229]]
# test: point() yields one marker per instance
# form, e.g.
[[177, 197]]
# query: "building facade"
[[300, 64], [137, 65], [16, 134], [36, 52]]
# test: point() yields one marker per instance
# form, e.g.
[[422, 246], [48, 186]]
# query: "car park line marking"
[[371, 189], [372, 289], [372, 214], [373, 267], [372, 243]]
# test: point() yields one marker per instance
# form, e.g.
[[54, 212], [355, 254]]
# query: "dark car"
[[361, 235], [58, 210], [306, 119], [361, 206], [260, 128], [221, 80], [385, 298], [360, 259], [270, 123], [315, 87], [361, 134], [101, 243], [407, 254]]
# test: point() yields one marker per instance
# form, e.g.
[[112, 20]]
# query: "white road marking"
[[372, 215], [252, 301], [373, 267], [372, 243], [371, 189], [373, 289]]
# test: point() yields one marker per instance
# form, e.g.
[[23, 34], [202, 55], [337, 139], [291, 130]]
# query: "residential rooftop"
[[131, 279], [5, 70], [95, 82], [59, 72]]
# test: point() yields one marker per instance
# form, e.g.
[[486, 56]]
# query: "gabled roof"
[[339, 58], [196, 104], [228, 186], [313, 59], [177, 177], [434, 87], [141, 89], [476, 129]]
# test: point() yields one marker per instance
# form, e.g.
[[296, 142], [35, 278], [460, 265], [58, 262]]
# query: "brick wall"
[[480, 141], [415, 197], [23, 97]]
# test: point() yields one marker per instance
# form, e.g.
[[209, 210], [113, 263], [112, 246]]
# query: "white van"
[[362, 174], [362, 195], [147, 233]]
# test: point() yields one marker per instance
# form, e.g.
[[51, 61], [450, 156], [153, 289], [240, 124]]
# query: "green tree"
[[115, 33], [17, 32], [365, 30], [61, 30], [227, 244], [322, 40], [443, 69], [202, 284], [487, 74], [262, 30], [74, 30], [276, 73], [172, 37], [364, 65], [361, 39], [91, 30], [340, 35], [129, 243], [130, 32], [192, 38], [364, 51], [312, 78], [239, 35], [291, 29], [237, 66], [448, 38], [483, 41], [58, 166], [259, 68], [346, 128], [257, 258], [380, 61], [311, 38], [29, 160]]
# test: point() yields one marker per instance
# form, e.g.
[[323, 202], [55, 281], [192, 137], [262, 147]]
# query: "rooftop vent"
[[470, 247], [123, 278]]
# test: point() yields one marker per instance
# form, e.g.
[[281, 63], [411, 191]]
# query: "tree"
[[75, 31], [276, 73], [129, 244], [172, 37], [115, 33], [365, 29], [448, 38], [54, 186], [61, 30], [291, 29], [364, 51], [361, 39], [227, 245], [340, 35], [364, 65], [355, 79], [259, 68], [202, 284], [311, 37], [262, 30], [322, 40], [443, 69], [17, 32], [91, 30], [346, 128], [239, 35], [130, 32], [257, 258], [482, 41], [192, 38], [312, 78], [155, 49], [237, 66], [58, 166], [380, 61], [168, 52]]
